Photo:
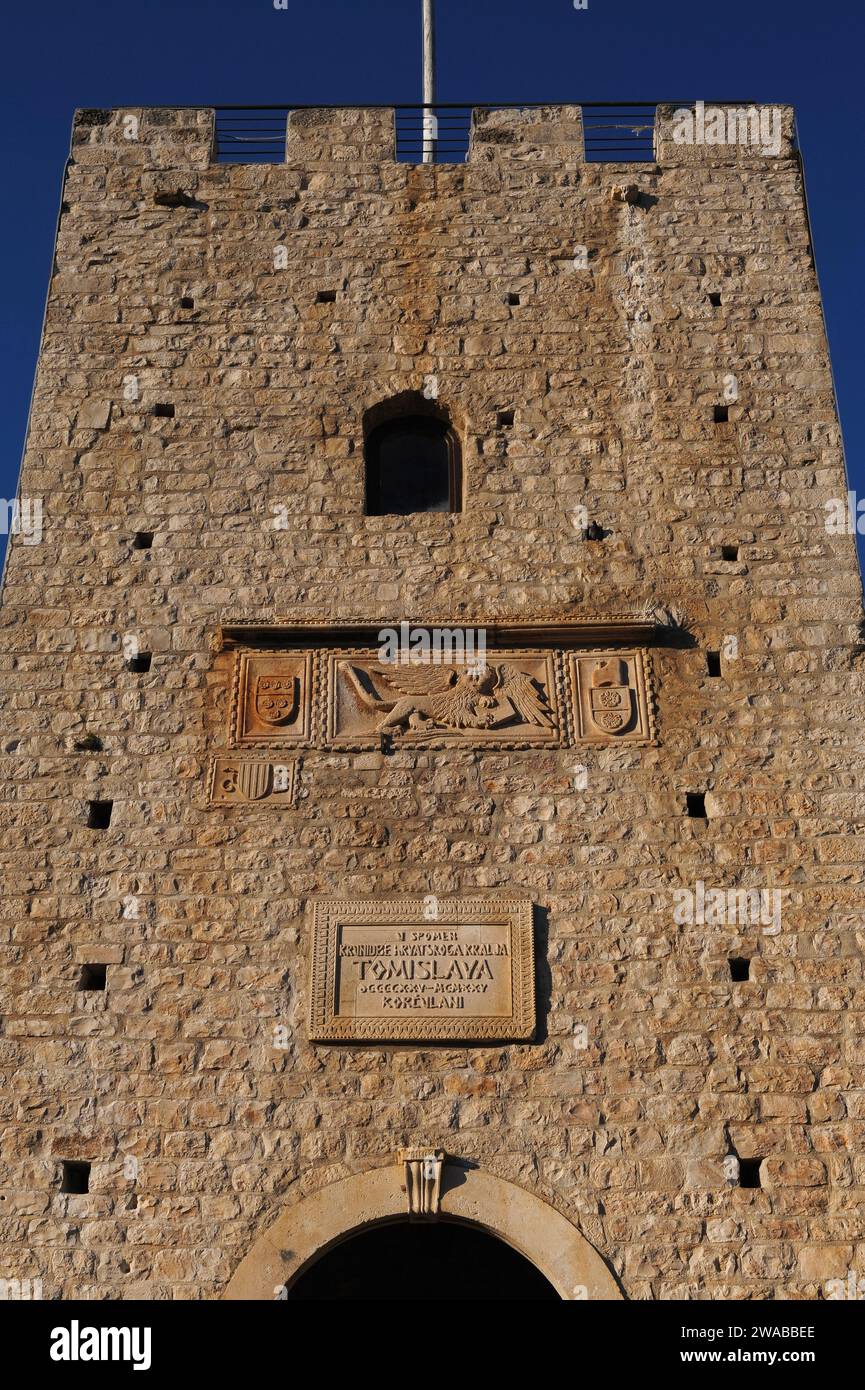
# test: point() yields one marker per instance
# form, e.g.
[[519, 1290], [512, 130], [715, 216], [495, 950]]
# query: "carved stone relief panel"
[[272, 699], [422, 1179], [385, 970], [235, 781], [512, 701], [611, 697], [516, 698]]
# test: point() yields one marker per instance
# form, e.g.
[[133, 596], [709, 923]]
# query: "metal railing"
[[441, 131], [619, 134], [614, 132], [611, 133], [251, 134]]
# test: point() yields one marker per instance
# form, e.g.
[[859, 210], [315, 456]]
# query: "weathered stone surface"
[[190, 1083]]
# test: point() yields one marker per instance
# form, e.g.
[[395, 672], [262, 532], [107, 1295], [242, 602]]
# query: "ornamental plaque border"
[[644, 691], [305, 735], [554, 629], [330, 913], [270, 798], [316, 726]]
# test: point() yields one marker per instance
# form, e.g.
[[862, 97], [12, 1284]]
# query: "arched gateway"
[[422, 1187]]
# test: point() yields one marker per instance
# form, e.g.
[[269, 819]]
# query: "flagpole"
[[429, 83]]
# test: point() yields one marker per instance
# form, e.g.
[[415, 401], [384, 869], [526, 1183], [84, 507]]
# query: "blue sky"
[[208, 52]]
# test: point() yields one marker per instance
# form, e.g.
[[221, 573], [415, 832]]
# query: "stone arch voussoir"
[[307, 1228]]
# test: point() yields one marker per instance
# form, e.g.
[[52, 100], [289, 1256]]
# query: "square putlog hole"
[[142, 540], [729, 552], [740, 968], [695, 803], [140, 663], [93, 977], [722, 414], [164, 410], [713, 664], [505, 419], [749, 1172], [99, 814], [75, 1178]]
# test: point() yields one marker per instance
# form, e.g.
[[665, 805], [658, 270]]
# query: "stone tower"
[[563, 943]]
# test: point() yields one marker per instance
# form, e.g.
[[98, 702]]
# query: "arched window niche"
[[412, 458]]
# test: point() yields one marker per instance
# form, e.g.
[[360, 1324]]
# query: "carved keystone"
[[423, 1175]]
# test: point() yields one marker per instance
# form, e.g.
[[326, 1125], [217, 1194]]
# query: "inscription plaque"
[[392, 971]]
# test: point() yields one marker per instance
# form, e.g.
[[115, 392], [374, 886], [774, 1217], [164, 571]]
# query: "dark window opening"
[[412, 465], [140, 663], [423, 1262], [729, 552], [713, 663], [187, 303], [749, 1172], [93, 977], [165, 412], [696, 803], [740, 968], [326, 297], [722, 414], [99, 814], [76, 1177], [505, 419], [142, 540], [715, 299]]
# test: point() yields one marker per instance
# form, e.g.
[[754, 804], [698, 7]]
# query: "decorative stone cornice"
[[544, 631]]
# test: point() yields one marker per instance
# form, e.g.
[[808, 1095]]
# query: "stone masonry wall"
[[612, 374]]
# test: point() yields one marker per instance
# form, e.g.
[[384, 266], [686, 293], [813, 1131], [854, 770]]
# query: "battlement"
[[666, 133]]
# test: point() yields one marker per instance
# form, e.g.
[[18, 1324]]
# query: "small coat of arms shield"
[[254, 780], [611, 698], [276, 699], [612, 708], [251, 781]]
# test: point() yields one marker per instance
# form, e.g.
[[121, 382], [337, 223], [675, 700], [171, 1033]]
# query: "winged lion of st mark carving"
[[427, 699]]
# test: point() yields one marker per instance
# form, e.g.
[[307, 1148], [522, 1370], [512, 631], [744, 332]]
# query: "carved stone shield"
[[611, 707], [610, 699], [276, 699], [254, 780]]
